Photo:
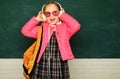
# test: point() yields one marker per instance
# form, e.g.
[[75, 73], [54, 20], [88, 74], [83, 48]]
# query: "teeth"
[[52, 19]]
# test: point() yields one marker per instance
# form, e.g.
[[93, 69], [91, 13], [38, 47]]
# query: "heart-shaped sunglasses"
[[54, 13]]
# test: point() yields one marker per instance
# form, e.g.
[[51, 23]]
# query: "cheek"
[[57, 18]]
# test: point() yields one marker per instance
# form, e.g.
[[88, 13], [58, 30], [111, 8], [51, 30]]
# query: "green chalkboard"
[[99, 36]]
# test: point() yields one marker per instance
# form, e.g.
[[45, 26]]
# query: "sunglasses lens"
[[55, 13], [47, 14]]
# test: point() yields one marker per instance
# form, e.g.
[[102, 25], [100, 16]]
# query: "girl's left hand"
[[61, 12]]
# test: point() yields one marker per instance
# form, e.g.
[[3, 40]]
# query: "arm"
[[72, 25], [30, 29]]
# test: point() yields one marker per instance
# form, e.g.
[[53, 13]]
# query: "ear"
[[60, 13], [43, 16]]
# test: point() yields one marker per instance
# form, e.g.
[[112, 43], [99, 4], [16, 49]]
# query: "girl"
[[55, 51]]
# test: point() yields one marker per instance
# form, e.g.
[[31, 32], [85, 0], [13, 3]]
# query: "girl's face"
[[52, 14]]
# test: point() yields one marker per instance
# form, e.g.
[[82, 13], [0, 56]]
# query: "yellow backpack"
[[30, 55]]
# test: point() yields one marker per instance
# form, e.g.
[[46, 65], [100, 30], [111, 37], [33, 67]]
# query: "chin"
[[52, 23]]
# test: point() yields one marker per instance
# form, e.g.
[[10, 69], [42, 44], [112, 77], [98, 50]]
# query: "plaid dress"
[[51, 65]]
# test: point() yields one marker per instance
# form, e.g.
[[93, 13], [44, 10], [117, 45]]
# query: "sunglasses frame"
[[54, 13]]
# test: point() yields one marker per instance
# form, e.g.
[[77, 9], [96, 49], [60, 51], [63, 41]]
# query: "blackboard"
[[99, 36]]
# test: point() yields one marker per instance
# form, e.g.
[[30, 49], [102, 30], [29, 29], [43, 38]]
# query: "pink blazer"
[[64, 31]]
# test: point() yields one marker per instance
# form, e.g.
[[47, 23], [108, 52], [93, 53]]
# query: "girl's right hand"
[[40, 17]]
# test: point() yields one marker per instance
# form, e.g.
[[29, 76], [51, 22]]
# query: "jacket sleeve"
[[30, 29], [72, 25]]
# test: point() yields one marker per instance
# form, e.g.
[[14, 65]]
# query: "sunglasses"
[[54, 13]]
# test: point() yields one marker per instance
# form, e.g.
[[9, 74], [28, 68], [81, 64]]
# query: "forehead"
[[51, 7]]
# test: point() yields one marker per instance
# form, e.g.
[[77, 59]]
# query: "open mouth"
[[52, 20]]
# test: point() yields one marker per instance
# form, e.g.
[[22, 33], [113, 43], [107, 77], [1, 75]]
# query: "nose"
[[51, 15]]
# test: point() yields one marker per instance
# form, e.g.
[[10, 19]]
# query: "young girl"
[[55, 51]]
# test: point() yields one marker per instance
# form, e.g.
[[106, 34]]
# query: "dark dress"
[[51, 65]]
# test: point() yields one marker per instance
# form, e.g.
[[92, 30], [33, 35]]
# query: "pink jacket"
[[64, 31]]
